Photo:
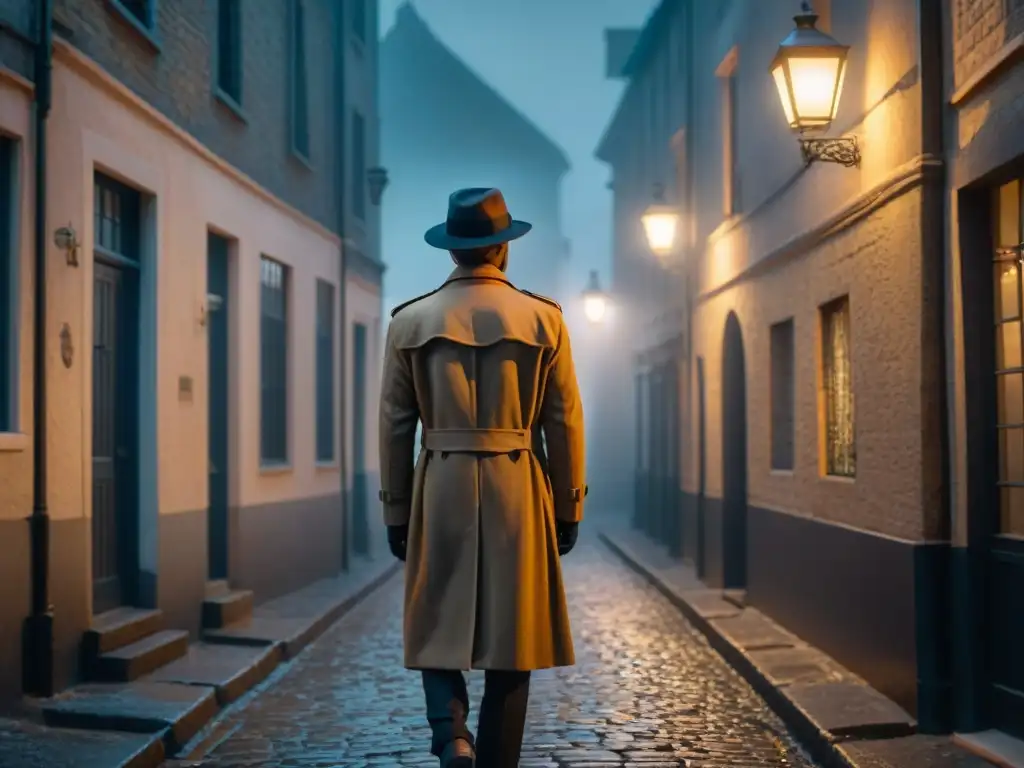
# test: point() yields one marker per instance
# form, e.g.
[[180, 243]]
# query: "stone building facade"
[[202, 165], [788, 357], [983, 95]]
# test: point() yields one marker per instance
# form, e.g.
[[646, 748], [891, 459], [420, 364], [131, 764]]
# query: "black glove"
[[566, 534], [398, 536]]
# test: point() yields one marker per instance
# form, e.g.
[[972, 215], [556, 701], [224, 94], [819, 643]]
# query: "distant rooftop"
[[411, 44]]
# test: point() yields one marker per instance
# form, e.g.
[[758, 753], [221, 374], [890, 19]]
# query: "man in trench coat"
[[496, 495]]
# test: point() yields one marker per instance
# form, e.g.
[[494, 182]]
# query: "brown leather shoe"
[[458, 754]]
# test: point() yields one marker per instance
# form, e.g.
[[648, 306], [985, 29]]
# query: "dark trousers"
[[499, 737]]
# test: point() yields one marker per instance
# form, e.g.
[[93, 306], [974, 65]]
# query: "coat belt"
[[477, 440]]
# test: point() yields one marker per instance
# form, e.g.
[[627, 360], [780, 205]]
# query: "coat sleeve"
[[561, 418], [399, 416]]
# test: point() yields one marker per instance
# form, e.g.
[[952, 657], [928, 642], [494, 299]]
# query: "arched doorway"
[[734, 457]]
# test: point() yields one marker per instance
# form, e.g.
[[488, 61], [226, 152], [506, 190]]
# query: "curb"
[[281, 653], [291, 647], [170, 736], [818, 742]]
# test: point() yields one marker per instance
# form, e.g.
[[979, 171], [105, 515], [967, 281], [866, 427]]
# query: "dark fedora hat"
[[477, 217]]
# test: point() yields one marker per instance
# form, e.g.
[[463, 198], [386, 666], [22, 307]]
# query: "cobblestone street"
[[647, 690]]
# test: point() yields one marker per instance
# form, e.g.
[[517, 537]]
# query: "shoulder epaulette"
[[545, 299], [405, 304]]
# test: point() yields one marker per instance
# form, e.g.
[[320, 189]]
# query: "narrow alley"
[[647, 689]]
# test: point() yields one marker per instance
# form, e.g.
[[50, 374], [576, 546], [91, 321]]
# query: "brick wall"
[[980, 28], [177, 79]]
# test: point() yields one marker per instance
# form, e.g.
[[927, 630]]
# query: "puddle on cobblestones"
[[647, 690]]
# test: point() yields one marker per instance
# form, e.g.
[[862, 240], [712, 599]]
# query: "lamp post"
[[595, 300], [808, 70]]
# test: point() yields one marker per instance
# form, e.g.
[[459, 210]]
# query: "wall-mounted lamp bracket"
[[843, 150], [66, 239]]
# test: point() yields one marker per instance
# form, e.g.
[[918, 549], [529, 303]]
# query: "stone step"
[[119, 627], [228, 608], [216, 588], [141, 657]]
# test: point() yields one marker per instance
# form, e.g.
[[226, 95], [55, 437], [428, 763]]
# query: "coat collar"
[[483, 272]]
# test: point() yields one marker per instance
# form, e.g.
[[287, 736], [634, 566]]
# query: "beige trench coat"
[[486, 369]]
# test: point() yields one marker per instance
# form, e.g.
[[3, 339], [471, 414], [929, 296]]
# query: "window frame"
[[324, 376], [729, 96], [10, 281], [1008, 237], [298, 79], [221, 91], [277, 455], [830, 410], [782, 400], [147, 27]]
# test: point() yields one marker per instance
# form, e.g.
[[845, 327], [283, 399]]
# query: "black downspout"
[[932, 571], [341, 112], [37, 641]]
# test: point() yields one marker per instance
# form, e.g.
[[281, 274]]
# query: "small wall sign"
[[185, 389], [67, 347]]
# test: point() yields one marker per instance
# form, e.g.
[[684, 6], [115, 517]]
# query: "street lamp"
[[660, 224], [808, 70], [595, 301], [377, 178]]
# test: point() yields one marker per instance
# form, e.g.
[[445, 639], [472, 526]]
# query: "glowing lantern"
[[595, 302]]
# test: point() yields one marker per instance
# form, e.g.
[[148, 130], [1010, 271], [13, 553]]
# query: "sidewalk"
[[839, 719], [141, 723]]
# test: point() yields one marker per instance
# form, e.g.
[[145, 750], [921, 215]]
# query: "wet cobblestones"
[[647, 690]]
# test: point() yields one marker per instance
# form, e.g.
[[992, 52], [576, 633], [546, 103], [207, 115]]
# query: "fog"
[[513, 95], [546, 59]]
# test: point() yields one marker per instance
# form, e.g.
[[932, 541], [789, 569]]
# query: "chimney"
[[618, 45]]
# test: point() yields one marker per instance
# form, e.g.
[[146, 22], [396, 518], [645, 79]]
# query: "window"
[[140, 12], [730, 189], [273, 362], [8, 288], [229, 49], [359, 19], [300, 96], [837, 382], [358, 166], [324, 371], [117, 211], [1009, 370], [783, 394]]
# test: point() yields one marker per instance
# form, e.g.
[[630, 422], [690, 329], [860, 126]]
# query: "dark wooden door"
[[639, 449], [700, 546], [217, 437], [1005, 611], [115, 403], [675, 527], [360, 506], [107, 533], [734, 457]]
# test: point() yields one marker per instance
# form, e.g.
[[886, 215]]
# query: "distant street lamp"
[[377, 178], [809, 69], [595, 301], [660, 224]]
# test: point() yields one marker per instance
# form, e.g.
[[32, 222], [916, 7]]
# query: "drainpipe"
[[341, 112], [37, 642], [935, 596]]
